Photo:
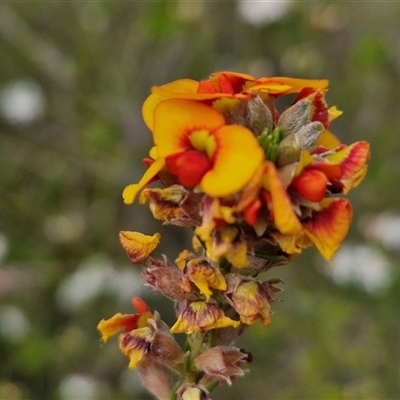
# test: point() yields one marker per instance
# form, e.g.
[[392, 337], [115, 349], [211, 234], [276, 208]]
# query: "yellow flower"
[[228, 242], [249, 298], [204, 276], [136, 344], [200, 316], [125, 322], [196, 145]]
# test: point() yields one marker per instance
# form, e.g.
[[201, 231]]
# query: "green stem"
[[210, 338], [267, 257], [212, 386], [174, 394], [195, 342]]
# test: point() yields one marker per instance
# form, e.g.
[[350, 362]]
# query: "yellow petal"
[[123, 323], [284, 216], [176, 119], [228, 242], [334, 113], [204, 276], [196, 244], [291, 85], [109, 327], [236, 158], [153, 153], [130, 192], [292, 244], [137, 245], [183, 257], [328, 140], [135, 344], [168, 91]]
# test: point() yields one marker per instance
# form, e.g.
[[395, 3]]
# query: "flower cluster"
[[257, 186]]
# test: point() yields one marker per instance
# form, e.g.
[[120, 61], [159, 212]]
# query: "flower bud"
[[249, 298], [311, 184], [309, 106], [190, 391], [154, 341], [253, 114], [163, 277], [309, 135], [163, 347], [289, 150], [155, 377], [222, 363], [305, 139], [295, 117]]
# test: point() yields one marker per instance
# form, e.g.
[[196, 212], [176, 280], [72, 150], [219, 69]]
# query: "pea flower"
[[195, 144], [128, 322], [201, 316], [143, 335]]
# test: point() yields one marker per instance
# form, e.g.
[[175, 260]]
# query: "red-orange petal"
[[328, 227], [140, 305], [189, 166], [206, 87], [311, 184], [236, 80], [353, 162], [251, 211], [225, 85], [319, 108]]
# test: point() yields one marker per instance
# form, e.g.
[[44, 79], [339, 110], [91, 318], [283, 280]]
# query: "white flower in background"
[[361, 265], [384, 229], [262, 12], [22, 101]]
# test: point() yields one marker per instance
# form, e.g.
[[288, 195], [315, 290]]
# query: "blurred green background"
[[73, 76]]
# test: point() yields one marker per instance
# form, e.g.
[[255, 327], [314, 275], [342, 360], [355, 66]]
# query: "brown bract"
[[222, 363]]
